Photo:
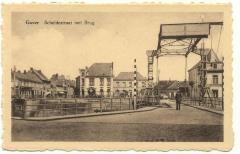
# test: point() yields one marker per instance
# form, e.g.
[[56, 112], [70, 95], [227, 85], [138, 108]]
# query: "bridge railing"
[[147, 101], [62, 107], [207, 102]]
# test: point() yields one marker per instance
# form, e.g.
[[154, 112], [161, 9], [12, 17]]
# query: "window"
[[215, 79], [124, 84], [117, 84], [143, 84], [108, 92], [101, 92], [108, 81], [130, 84], [204, 58], [91, 81], [83, 82], [82, 73], [215, 93], [204, 65], [117, 92], [82, 92], [101, 81], [215, 65]]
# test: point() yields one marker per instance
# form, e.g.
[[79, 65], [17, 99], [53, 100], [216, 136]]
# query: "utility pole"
[[157, 78], [223, 84], [186, 68], [135, 85]]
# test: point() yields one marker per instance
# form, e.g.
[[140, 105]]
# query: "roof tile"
[[126, 76], [100, 69]]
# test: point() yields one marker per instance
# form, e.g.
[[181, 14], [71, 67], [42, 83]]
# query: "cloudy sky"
[[115, 37]]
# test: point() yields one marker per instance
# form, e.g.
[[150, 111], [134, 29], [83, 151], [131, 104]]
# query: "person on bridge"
[[178, 98]]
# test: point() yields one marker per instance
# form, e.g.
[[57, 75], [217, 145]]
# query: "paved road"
[[162, 124]]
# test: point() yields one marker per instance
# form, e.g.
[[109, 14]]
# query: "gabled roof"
[[26, 76], [40, 75], [176, 84], [212, 57], [128, 76], [100, 69], [164, 84], [171, 85], [194, 66]]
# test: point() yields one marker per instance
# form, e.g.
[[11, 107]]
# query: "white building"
[[123, 84], [97, 80], [214, 74]]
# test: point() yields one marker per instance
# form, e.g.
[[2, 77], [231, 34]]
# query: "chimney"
[[14, 68], [24, 71]]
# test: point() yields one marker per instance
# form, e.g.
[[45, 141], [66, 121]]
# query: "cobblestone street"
[[161, 124]]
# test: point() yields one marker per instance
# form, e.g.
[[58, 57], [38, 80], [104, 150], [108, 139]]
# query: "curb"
[[83, 115], [205, 109]]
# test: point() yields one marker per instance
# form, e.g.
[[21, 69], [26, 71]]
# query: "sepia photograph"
[[118, 75]]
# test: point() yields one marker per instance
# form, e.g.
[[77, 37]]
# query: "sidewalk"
[[84, 115], [205, 109]]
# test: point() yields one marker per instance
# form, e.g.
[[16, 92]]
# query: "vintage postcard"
[[117, 77]]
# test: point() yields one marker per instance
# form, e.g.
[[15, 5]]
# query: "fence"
[[60, 107], [208, 102], [147, 101]]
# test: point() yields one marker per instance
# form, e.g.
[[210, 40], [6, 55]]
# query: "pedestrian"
[[178, 98]]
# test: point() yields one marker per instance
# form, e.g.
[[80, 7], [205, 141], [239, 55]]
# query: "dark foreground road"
[[166, 124]]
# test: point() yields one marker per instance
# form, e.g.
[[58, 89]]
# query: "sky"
[[116, 37]]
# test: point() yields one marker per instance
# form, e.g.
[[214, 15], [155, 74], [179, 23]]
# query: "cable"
[[211, 39], [219, 38]]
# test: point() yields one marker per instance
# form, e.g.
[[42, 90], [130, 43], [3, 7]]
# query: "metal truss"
[[182, 44]]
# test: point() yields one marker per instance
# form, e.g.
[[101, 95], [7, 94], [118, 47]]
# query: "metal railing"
[[208, 102], [147, 101], [62, 107]]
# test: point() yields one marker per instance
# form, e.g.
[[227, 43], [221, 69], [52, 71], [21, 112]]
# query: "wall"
[[97, 86]]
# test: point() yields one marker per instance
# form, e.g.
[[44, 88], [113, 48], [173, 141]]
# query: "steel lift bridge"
[[180, 40]]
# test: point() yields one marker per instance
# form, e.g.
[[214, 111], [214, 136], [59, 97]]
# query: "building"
[[123, 84], [169, 88], [29, 84], [95, 81], [213, 67], [45, 81], [62, 87], [182, 86]]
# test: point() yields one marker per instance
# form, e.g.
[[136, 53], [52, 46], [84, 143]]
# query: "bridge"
[[158, 125]]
